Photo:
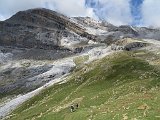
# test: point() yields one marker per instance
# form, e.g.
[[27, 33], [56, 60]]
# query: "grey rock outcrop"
[[128, 44], [39, 28], [134, 45]]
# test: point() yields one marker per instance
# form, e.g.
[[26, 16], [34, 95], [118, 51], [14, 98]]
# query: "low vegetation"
[[81, 59], [121, 86]]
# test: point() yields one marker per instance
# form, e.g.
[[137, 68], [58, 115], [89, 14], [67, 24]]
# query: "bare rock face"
[[47, 29], [128, 44], [39, 28]]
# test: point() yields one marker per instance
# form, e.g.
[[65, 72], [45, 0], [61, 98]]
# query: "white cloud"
[[71, 7], [67, 7], [10, 7], [151, 13], [2, 18], [117, 12]]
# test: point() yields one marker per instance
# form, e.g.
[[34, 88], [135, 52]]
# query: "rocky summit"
[[46, 29], [40, 28], [55, 67]]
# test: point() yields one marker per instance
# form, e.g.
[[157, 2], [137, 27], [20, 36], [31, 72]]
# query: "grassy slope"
[[115, 87]]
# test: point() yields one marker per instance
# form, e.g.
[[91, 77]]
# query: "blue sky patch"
[[135, 9]]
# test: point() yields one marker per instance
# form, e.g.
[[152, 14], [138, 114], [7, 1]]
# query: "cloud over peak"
[[151, 13], [118, 12], [67, 7]]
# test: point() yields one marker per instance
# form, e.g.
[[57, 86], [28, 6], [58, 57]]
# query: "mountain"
[[46, 29], [40, 28], [49, 61]]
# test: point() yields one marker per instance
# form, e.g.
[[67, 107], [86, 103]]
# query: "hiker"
[[72, 108], [76, 105]]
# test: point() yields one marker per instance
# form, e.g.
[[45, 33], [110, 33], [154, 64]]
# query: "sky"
[[117, 12]]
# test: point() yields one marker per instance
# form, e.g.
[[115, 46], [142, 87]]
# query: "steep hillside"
[[123, 85], [23, 72], [49, 61]]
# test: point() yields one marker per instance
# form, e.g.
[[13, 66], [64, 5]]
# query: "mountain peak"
[[43, 27]]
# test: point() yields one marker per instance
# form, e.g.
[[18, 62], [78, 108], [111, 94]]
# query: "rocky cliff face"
[[39, 28], [46, 29]]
